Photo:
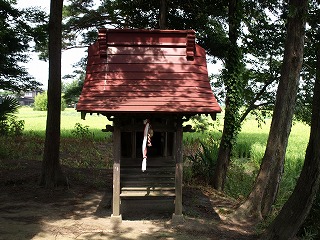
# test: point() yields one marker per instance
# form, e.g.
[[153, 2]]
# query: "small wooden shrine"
[[147, 82]]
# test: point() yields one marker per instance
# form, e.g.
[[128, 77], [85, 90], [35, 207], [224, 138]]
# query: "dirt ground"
[[83, 210]]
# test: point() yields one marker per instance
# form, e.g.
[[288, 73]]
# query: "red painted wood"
[[95, 84], [134, 99], [147, 71], [151, 50], [148, 38], [187, 109], [145, 88], [114, 59], [180, 96], [151, 68], [146, 76]]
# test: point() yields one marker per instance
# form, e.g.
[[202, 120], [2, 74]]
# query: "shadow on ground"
[[83, 210]]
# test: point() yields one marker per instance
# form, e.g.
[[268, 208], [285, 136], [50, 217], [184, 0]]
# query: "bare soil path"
[[83, 210]]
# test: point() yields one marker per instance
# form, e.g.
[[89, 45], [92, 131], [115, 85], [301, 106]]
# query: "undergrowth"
[[87, 147]]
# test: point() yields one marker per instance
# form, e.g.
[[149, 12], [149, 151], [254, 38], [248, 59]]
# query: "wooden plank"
[[148, 105], [146, 178], [152, 105], [151, 109], [153, 174], [147, 189], [147, 194], [154, 167], [101, 76], [166, 167], [95, 95], [148, 184], [148, 88], [143, 84], [145, 50], [147, 38], [147, 31], [116, 172], [146, 59], [149, 68], [179, 170]]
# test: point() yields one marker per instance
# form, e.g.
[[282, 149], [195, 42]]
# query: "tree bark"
[[163, 14], [221, 169], [233, 84], [272, 189], [272, 163], [52, 175], [288, 221]]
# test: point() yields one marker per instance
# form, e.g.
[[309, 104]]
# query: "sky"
[[39, 69]]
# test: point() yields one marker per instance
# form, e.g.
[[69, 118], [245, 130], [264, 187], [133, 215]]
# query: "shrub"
[[81, 131], [200, 123], [8, 123], [11, 127], [41, 102], [203, 161]]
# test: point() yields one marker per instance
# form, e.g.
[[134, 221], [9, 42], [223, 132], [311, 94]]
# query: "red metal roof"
[[147, 71]]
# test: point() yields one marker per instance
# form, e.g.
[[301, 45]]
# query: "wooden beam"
[[157, 127], [116, 216], [213, 116], [133, 145], [83, 115], [177, 217]]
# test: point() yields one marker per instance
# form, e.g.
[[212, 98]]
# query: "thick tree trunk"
[[288, 221], [234, 86], [219, 177], [163, 14], [272, 188], [273, 160], [51, 170]]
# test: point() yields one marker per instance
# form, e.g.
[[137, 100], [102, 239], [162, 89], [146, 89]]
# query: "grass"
[[94, 153], [35, 122], [245, 162], [82, 146], [248, 153]]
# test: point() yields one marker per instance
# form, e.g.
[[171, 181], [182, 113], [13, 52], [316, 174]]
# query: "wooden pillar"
[[177, 217], [116, 216], [165, 149], [133, 144]]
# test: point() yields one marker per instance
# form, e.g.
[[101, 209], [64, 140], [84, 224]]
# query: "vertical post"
[[165, 150], [116, 216], [133, 141], [133, 145], [177, 217]]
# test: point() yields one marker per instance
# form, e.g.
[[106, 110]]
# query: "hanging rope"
[[147, 134]]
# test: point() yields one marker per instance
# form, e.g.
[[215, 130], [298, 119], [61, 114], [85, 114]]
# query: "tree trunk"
[[51, 170], [273, 160], [220, 175], [272, 189], [288, 222], [233, 85], [163, 14]]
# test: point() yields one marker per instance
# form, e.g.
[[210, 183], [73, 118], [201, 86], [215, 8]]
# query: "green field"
[[250, 144], [246, 155], [35, 121]]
